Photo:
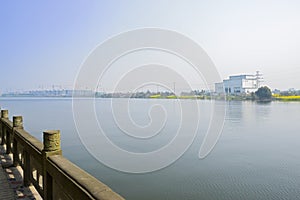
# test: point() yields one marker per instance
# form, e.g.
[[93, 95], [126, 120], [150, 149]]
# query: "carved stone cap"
[[4, 114], [52, 140], [17, 121]]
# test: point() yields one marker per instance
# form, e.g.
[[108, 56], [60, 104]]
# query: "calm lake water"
[[256, 157]]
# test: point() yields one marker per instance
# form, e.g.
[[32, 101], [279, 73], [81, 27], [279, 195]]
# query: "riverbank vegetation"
[[263, 94], [286, 98]]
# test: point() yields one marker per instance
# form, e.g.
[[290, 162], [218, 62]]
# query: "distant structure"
[[239, 84], [51, 93]]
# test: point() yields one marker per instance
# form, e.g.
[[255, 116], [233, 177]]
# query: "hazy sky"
[[44, 43]]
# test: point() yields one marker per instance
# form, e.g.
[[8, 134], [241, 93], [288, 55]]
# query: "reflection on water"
[[257, 156]]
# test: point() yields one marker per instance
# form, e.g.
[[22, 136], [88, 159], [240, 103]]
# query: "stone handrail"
[[44, 167]]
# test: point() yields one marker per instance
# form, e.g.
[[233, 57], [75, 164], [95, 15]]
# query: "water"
[[257, 156]]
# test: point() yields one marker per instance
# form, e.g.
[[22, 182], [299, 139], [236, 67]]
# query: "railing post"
[[9, 136], [17, 124], [26, 170], [51, 147], [1, 129], [4, 115]]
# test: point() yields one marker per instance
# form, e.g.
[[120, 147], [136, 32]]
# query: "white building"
[[240, 84]]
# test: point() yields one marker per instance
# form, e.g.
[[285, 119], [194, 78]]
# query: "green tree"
[[263, 93]]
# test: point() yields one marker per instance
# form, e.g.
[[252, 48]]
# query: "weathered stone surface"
[[52, 140], [17, 121], [4, 114]]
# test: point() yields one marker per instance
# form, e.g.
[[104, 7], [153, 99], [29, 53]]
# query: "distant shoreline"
[[202, 97]]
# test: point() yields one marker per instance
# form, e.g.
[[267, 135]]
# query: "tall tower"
[[259, 79]]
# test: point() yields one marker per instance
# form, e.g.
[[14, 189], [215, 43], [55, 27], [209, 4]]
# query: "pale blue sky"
[[44, 43]]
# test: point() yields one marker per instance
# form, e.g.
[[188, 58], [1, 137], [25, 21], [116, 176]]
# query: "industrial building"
[[239, 84]]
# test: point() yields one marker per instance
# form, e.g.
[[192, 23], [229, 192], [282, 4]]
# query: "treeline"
[[150, 94]]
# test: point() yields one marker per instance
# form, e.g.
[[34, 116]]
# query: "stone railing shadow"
[[14, 176]]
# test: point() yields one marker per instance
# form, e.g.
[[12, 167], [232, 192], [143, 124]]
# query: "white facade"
[[241, 84]]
